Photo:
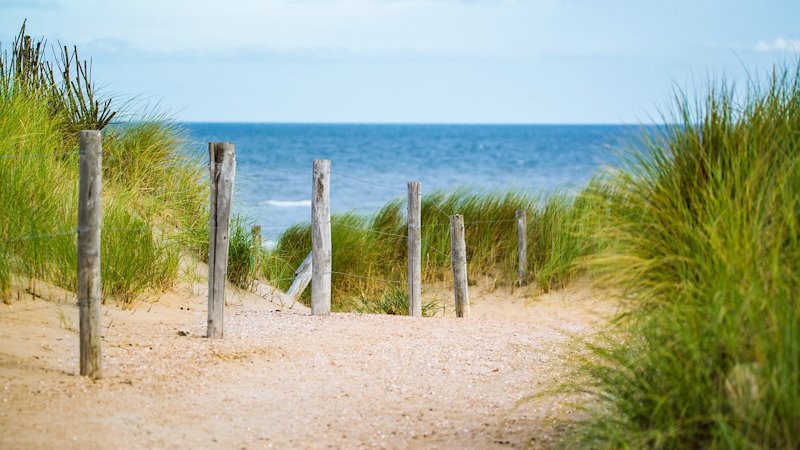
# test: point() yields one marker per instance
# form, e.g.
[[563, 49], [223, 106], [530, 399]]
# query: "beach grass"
[[370, 251], [154, 196], [701, 237], [393, 301]]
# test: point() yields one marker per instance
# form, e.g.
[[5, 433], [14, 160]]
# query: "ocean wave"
[[287, 203]]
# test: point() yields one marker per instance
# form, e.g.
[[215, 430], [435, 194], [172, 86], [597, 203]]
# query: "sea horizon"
[[371, 163], [454, 124]]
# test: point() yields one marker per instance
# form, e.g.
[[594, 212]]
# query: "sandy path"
[[287, 380]]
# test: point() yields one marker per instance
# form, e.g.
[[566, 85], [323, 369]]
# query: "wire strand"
[[442, 224], [370, 231], [433, 247], [439, 209], [363, 277], [283, 171], [368, 181]]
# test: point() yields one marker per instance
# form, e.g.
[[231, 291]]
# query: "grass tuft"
[[393, 301], [375, 248], [151, 193], [701, 233]]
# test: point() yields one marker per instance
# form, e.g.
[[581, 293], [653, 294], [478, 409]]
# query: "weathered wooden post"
[[522, 247], [256, 233], [458, 252], [89, 220], [222, 168], [414, 249], [302, 278], [321, 239]]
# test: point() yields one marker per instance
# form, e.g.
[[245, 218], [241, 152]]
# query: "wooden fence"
[[316, 269]]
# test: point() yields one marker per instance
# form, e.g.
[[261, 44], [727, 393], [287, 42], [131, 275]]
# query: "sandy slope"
[[284, 379]]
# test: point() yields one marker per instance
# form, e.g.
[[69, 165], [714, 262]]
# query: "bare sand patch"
[[283, 379]]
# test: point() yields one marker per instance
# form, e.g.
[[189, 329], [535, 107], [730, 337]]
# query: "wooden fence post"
[[321, 239], [458, 252], [89, 221], [414, 249], [522, 247], [302, 278], [222, 168]]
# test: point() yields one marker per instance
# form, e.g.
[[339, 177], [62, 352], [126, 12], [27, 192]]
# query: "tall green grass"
[[151, 193], [375, 248], [701, 233]]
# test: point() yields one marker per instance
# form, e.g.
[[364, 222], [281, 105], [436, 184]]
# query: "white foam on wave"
[[287, 203]]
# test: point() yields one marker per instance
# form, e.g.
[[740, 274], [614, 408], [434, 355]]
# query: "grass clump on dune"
[[393, 301], [702, 232], [375, 247], [150, 191]]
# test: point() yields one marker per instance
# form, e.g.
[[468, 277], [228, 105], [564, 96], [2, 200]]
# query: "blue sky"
[[419, 61]]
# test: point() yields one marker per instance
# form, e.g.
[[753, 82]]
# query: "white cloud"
[[778, 45]]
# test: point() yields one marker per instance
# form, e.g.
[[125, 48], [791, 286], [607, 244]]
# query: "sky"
[[414, 61]]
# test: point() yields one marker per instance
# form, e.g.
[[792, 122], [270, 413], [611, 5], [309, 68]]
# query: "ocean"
[[371, 164]]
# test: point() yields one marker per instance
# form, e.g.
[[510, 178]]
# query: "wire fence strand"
[[361, 180], [436, 207], [284, 171], [474, 222], [433, 247], [363, 277], [368, 230]]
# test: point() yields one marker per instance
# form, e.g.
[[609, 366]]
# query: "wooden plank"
[[222, 168], [414, 249], [522, 247], [321, 263], [458, 252], [302, 278], [89, 221]]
